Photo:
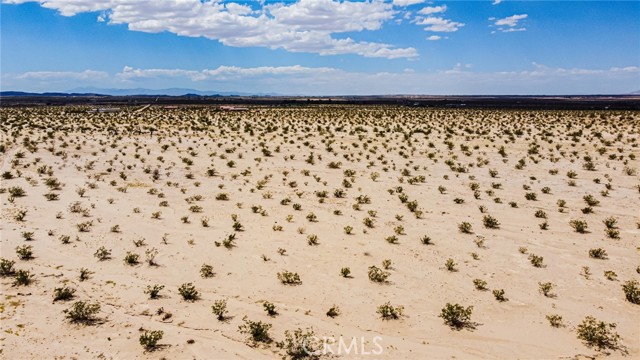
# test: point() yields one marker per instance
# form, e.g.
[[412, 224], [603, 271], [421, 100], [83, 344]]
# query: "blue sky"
[[323, 47]]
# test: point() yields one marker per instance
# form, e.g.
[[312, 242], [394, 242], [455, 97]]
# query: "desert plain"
[[404, 233]]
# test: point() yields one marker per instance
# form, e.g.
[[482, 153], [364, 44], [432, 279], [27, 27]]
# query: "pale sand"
[[34, 327]]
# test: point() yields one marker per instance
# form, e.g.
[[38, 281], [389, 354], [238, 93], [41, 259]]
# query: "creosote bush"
[[270, 308], [289, 278], [490, 222], [257, 330], [219, 309], [63, 293], [6, 267], [388, 311], [149, 339], [82, 311], [480, 284], [465, 228], [378, 275], [546, 288], [154, 291], [631, 290], [300, 344], [188, 292], [456, 316], [22, 278], [580, 226], [499, 295], [598, 334], [555, 320]]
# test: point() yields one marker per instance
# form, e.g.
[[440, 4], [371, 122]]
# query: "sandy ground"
[[366, 141]]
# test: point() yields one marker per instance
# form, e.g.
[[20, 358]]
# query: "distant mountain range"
[[94, 91]]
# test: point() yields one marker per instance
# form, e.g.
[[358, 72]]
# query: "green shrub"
[[610, 222], [188, 292], [6, 267], [345, 272], [632, 291], [490, 222], [612, 233], [102, 253], [131, 258], [450, 265], [546, 288], [465, 227], [598, 334], [598, 253], [590, 200], [149, 339], [289, 278], [153, 291], [63, 293], [536, 260], [270, 308], [480, 284], [579, 226], [499, 295], [312, 240], [392, 239], [206, 271], [257, 330], [219, 308], [368, 222], [555, 320], [540, 214], [378, 275], [24, 252], [388, 311], [82, 311], [333, 311], [300, 344], [456, 316], [22, 278], [610, 275]]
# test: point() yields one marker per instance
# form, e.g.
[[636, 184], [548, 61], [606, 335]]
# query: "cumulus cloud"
[[404, 3], [434, 23], [303, 26], [439, 24], [62, 75], [433, 10], [223, 72], [496, 2], [510, 20], [297, 79], [434, 38]]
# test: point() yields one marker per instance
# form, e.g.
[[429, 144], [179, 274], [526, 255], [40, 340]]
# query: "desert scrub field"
[[447, 233]]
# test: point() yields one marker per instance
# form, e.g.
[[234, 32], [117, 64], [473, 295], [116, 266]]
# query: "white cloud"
[[438, 24], [297, 79], [404, 3], [513, 29], [62, 75], [434, 38], [510, 20], [303, 26], [222, 72], [433, 10], [496, 2]]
